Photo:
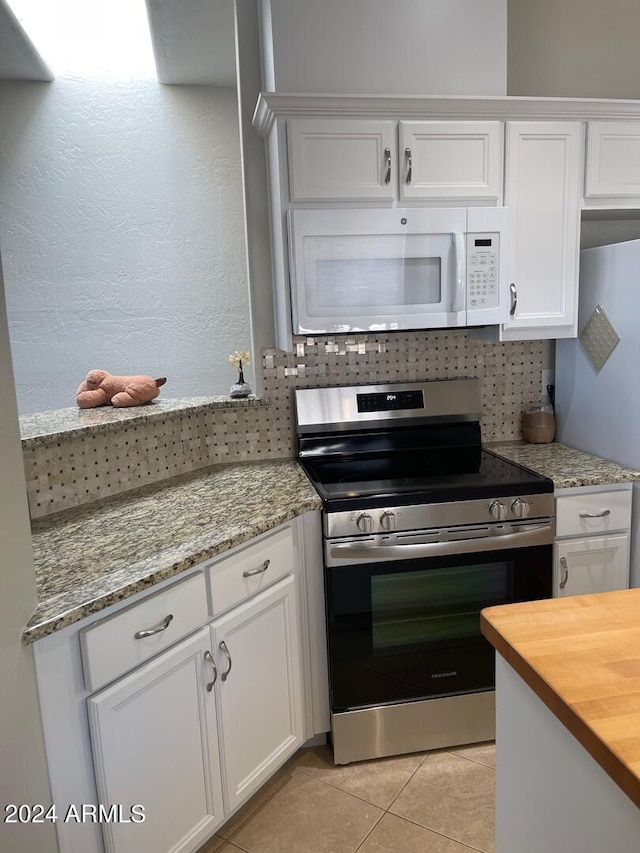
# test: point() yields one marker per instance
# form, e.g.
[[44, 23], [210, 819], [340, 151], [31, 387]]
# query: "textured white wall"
[[121, 225], [421, 47]]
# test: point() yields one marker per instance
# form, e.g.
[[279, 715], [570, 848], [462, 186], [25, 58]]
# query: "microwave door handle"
[[458, 296]]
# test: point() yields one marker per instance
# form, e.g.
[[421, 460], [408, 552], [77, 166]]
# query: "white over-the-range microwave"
[[367, 270]]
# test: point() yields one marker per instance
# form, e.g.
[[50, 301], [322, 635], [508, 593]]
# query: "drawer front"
[[241, 575], [597, 512], [110, 647]]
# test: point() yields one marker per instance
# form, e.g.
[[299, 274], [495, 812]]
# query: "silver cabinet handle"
[[603, 514], [407, 154], [223, 648], [565, 572], [251, 572], [209, 657], [514, 299], [155, 629], [387, 160]]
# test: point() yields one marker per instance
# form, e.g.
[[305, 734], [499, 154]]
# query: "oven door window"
[[420, 608], [408, 630]]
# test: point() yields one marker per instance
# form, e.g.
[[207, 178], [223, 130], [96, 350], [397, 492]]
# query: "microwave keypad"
[[482, 271]]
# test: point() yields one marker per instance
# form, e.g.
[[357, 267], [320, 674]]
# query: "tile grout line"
[[359, 846]]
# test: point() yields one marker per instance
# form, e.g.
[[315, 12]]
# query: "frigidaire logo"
[[444, 674]]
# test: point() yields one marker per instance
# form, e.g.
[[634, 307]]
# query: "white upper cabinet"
[[442, 161], [435, 162], [613, 163], [543, 176], [342, 159]]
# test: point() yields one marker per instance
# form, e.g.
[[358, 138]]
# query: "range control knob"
[[498, 510], [521, 508], [363, 522], [388, 520]]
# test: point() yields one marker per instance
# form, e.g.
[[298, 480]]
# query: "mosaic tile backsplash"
[[67, 470]]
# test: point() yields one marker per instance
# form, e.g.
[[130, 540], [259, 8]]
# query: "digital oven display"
[[389, 401]]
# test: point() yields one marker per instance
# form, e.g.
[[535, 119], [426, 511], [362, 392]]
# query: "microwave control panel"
[[483, 251]]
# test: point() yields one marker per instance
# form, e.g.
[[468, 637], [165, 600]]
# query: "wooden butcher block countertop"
[[581, 656]]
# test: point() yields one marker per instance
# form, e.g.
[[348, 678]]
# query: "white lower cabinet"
[[594, 564], [185, 701], [155, 744], [257, 657], [591, 552], [159, 742]]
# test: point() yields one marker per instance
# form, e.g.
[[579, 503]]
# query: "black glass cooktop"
[[424, 476]]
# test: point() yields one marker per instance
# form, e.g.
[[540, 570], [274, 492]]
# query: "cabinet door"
[[155, 743], [444, 161], [259, 686], [592, 564], [542, 192], [613, 160], [341, 160]]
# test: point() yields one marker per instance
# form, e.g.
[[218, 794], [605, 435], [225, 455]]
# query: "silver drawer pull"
[[602, 514], [209, 657], [149, 632], [565, 572], [251, 572], [223, 648]]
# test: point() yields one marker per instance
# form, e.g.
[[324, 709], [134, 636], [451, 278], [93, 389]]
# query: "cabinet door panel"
[[341, 159], [594, 564], [260, 699], [613, 159], [452, 160], [542, 192], [155, 743]]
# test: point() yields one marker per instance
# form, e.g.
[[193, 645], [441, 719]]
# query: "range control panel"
[[389, 401], [483, 251], [483, 513]]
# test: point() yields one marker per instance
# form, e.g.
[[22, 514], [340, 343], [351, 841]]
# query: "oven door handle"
[[532, 535]]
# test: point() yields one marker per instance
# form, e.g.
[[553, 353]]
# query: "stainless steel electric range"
[[423, 527]]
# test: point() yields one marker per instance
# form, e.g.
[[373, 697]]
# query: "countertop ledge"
[[89, 558], [581, 656], [566, 466], [48, 428]]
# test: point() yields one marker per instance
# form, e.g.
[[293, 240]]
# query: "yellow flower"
[[239, 357]]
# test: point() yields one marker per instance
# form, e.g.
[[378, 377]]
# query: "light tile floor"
[[428, 802]]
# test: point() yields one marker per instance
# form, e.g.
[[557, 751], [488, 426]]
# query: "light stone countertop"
[[46, 428], [564, 465], [91, 557]]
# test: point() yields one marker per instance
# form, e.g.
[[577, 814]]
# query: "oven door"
[[403, 628]]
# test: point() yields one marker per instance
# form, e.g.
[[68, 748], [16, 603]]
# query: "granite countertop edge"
[[44, 429], [79, 594]]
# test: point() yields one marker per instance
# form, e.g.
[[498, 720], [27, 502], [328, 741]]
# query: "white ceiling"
[[193, 43]]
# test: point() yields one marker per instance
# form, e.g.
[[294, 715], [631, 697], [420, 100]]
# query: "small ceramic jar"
[[539, 425]]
